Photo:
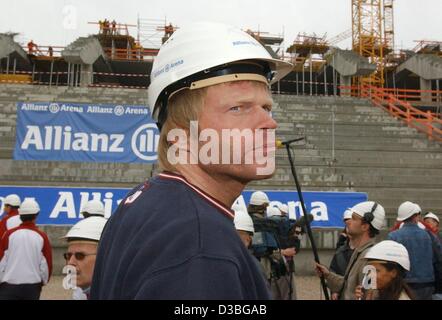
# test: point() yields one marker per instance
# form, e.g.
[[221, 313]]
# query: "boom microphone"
[[281, 144]]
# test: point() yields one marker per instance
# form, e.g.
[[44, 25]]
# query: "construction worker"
[[93, 208], [101, 25], [367, 219], [173, 236], [83, 240], [25, 257], [391, 262], [431, 219], [106, 27], [11, 218], [114, 27], [168, 30], [420, 246], [50, 51], [32, 47], [244, 226]]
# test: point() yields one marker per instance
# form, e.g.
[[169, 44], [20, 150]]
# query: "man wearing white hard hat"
[[207, 79], [288, 237], [25, 257], [419, 245], [391, 262], [11, 218], [265, 246], [93, 208], [83, 240], [433, 220], [366, 222]]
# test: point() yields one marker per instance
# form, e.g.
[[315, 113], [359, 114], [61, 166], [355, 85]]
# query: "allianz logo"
[[143, 142]]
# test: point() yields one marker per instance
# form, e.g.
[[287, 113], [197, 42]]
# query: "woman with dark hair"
[[389, 263]]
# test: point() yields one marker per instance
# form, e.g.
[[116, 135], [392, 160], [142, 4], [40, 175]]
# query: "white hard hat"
[[391, 251], [347, 214], [258, 198], [243, 221], [200, 51], [273, 211], [284, 209], [407, 209], [87, 229], [12, 200], [29, 206], [431, 215], [372, 212], [95, 207]]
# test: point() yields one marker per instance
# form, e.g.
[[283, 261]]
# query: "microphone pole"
[[307, 222]]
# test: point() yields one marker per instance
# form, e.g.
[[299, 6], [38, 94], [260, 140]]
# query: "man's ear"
[[365, 226]]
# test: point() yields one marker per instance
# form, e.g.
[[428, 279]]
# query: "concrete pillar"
[[86, 75], [425, 85], [345, 82]]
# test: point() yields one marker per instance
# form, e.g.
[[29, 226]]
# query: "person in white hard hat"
[[93, 208], [265, 245], [419, 244], [421, 223], [207, 80], [282, 282], [81, 253], [11, 218], [244, 225], [343, 237], [433, 220], [344, 250], [25, 257], [391, 262], [366, 222]]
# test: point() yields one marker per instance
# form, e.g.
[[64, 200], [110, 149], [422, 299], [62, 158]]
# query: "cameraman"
[[288, 236], [269, 232]]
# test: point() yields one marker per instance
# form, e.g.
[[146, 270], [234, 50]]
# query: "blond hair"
[[183, 107]]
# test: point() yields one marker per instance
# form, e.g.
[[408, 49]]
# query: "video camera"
[[286, 233]]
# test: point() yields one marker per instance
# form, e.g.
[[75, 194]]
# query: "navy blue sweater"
[[170, 240]]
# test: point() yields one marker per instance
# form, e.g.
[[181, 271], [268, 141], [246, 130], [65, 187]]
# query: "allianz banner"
[[85, 132], [61, 206]]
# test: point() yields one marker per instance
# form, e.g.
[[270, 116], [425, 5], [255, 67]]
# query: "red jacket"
[[426, 225], [3, 222], [25, 255]]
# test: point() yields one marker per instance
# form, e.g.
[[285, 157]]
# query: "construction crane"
[[373, 35]]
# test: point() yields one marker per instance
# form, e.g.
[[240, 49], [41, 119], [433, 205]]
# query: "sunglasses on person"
[[78, 255]]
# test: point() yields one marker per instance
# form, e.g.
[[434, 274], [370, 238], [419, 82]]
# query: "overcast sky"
[[59, 22]]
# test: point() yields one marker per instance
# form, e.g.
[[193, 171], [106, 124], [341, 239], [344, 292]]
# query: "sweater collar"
[[211, 200]]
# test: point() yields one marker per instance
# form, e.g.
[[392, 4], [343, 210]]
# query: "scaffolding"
[[428, 47], [150, 32], [389, 24], [308, 51], [373, 36]]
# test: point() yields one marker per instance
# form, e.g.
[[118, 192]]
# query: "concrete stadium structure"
[[350, 145]]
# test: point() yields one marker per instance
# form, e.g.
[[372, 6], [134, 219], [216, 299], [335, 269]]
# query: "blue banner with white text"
[[60, 206], [85, 132]]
